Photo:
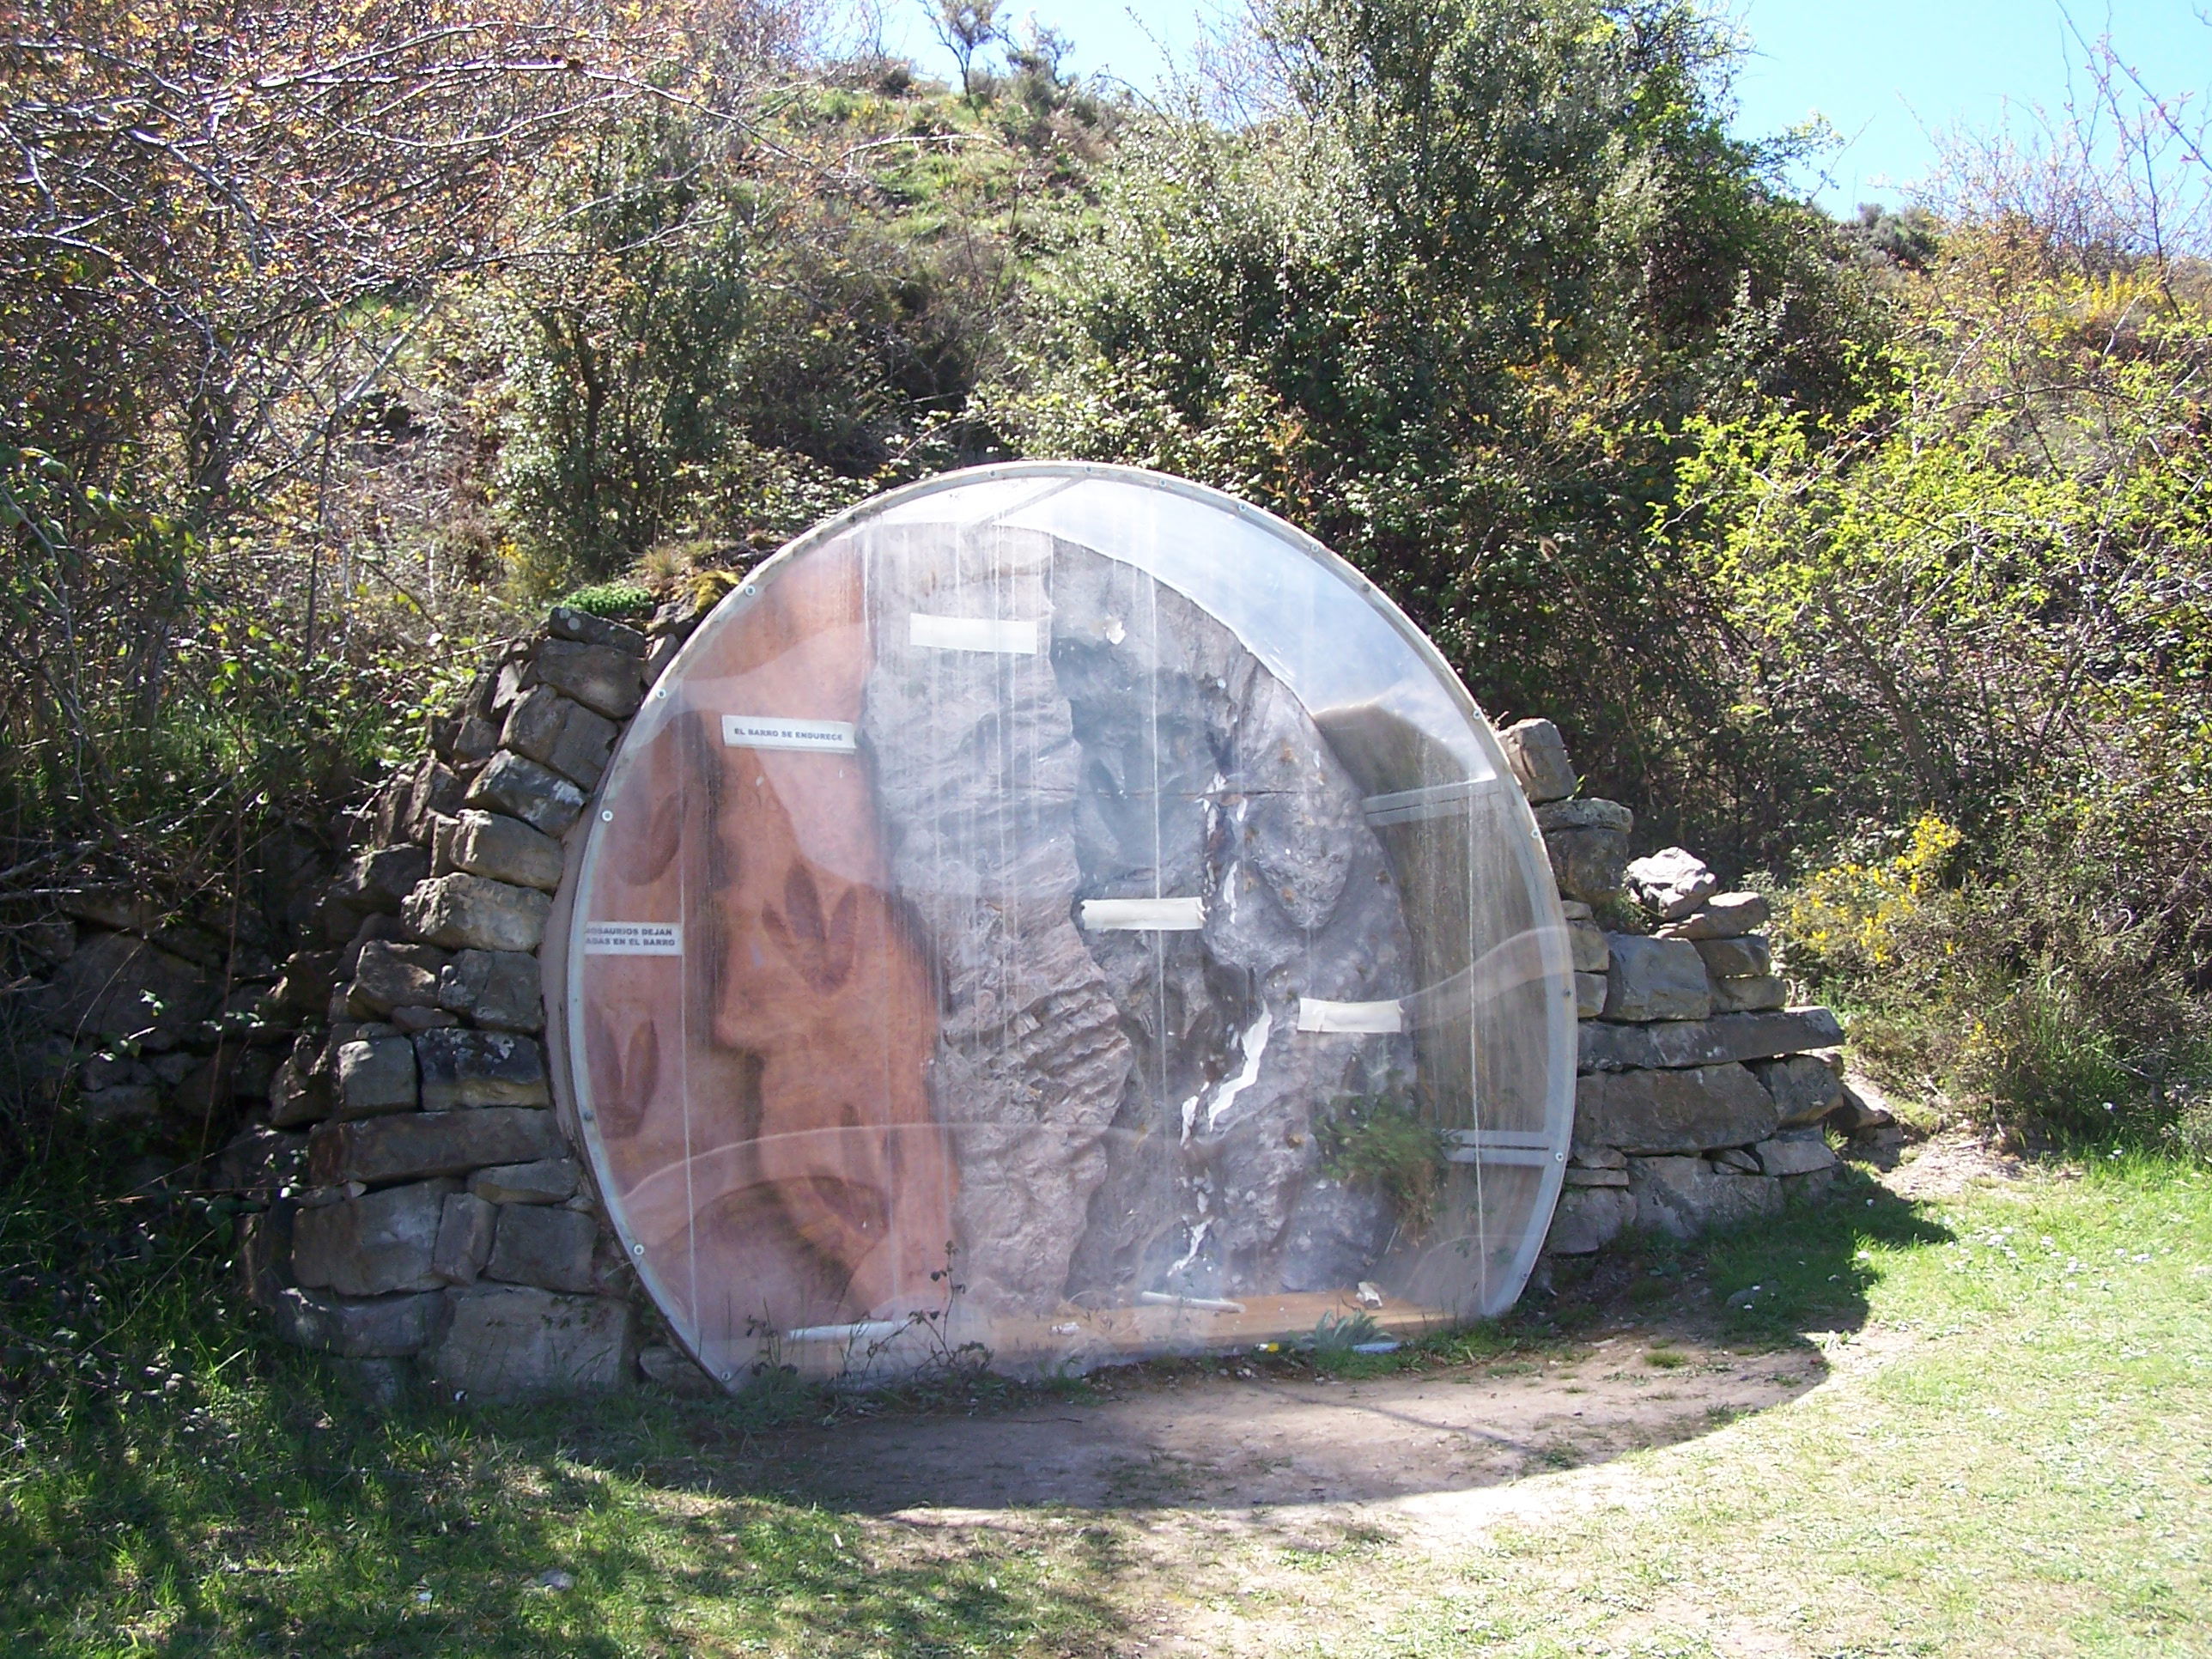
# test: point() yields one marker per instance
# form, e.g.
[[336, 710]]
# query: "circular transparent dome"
[[1066, 910]]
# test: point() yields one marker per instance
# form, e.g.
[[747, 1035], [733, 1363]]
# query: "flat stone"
[[1726, 915], [1598, 1157], [1804, 1152], [504, 848], [125, 1102], [1586, 814], [411, 1020], [1747, 958], [1862, 1107], [1683, 1197], [549, 1180], [1587, 1218], [522, 789], [605, 681], [1652, 1112], [378, 878], [1578, 1176], [498, 989], [565, 621], [1609, 1047], [1805, 1087], [1575, 910], [1671, 883], [372, 1245], [1592, 954], [1736, 996], [376, 1076], [463, 1068], [507, 1342], [382, 1326], [1737, 1159], [1655, 979], [1589, 995], [388, 975], [549, 1247], [413, 1144], [1538, 756], [464, 1231], [464, 912]]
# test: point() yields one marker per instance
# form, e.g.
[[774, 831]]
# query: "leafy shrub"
[[1379, 1141], [614, 599]]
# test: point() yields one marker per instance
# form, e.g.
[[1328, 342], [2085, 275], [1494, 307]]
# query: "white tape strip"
[[1016, 638], [1368, 1018], [1143, 915], [773, 732], [633, 938]]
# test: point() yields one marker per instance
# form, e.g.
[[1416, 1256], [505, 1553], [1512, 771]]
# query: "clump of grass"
[[1379, 1141], [611, 600]]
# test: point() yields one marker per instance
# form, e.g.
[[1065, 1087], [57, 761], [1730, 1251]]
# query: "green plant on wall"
[[1379, 1141]]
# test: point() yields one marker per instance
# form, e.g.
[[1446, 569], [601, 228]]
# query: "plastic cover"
[[1066, 913]]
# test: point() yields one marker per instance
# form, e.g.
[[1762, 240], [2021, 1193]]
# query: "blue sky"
[[1886, 74]]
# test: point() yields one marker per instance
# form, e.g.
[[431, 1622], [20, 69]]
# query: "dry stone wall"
[[1702, 1098], [419, 1209]]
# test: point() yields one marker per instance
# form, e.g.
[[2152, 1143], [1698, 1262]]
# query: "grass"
[[2011, 1455]]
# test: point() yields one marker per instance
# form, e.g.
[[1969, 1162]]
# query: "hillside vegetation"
[[1869, 557]]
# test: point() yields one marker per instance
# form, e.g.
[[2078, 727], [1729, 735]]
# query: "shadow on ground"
[[1648, 1346]]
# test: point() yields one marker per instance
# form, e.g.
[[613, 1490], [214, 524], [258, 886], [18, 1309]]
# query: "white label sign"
[[775, 731], [1142, 916], [1366, 1019], [633, 938], [1016, 638]]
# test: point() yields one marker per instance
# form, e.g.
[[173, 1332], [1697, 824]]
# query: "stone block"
[[1589, 995], [474, 739], [437, 792], [547, 727], [1653, 1112], [549, 1180], [565, 621], [411, 1020], [1736, 1158], [414, 1145], [1726, 915], [464, 1233], [1589, 1218], [681, 1375], [462, 1067], [1587, 863], [122, 1104], [1738, 996], [506, 1340], [464, 912], [299, 1093], [1862, 1108], [116, 986], [497, 989], [1592, 954], [522, 789], [309, 977], [549, 1247], [1538, 756], [1579, 1175], [504, 848], [262, 1161], [1803, 1151], [604, 680], [376, 1076], [371, 1245], [1747, 958], [388, 975], [1683, 1197], [1655, 979], [1805, 1087], [1609, 1047], [385, 1327], [1586, 814], [1671, 883], [378, 879]]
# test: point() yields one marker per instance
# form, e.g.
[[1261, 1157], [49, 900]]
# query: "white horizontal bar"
[[1534, 1157], [775, 731], [1370, 1018], [1144, 915], [866, 1330], [1017, 637], [1521, 1137], [1438, 800], [633, 938], [1200, 1303]]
